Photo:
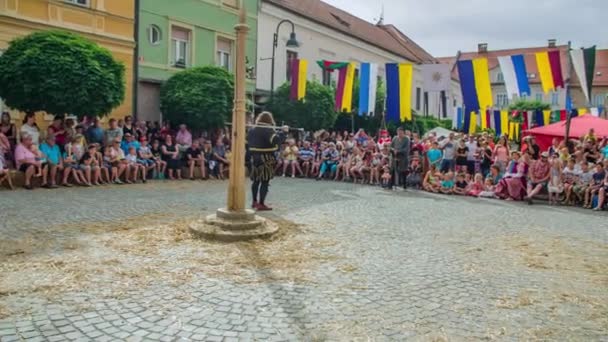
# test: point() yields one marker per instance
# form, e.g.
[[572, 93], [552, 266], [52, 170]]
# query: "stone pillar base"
[[229, 226]]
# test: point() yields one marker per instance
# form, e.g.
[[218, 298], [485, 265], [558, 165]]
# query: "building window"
[[180, 47], [539, 97], [554, 98], [224, 53], [231, 3], [500, 77], [79, 2], [291, 56], [326, 77], [154, 34], [598, 99], [502, 100], [418, 95]]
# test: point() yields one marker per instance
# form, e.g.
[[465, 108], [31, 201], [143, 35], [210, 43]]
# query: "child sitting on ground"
[[447, 185], [414, 178], [386, 177], [461, 185], [488, 190], [477, 186], [431, 182]]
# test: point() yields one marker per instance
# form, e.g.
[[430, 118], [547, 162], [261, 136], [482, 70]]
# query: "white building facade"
[[346, 40]]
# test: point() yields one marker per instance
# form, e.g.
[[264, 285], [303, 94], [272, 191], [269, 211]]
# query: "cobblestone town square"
[[351, 263]]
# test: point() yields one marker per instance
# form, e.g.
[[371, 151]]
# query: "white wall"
[[318, 42]]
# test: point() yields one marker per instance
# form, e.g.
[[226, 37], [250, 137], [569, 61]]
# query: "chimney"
[[482, 47], [552, 43]]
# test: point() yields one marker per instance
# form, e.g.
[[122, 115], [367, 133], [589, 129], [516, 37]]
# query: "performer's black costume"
[[262, 143]]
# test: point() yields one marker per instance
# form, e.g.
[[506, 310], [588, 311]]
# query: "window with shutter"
[[180, 47], [224, 53]]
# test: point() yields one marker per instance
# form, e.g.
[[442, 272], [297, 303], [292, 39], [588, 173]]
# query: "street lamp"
[[291, 42]]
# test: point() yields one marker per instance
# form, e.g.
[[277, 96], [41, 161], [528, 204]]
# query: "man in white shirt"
[[472, 154]]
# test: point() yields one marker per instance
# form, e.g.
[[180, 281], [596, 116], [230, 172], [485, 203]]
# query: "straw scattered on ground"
[[115, 258]]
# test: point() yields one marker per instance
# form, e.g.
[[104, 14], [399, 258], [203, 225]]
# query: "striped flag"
[[367, 88], [457, 119], [583, 61], [299, 69], [550, 70], [475, 84], [514, 131], [399, 92], [515, 75], [344, 93], [470, 122]]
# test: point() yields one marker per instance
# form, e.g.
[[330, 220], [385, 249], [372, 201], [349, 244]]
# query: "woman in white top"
[[30, 128]]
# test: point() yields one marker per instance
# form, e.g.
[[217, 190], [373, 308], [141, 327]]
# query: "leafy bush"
[[201, 97], [60, 73]]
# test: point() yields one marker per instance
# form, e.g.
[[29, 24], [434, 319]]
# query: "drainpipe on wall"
[[136, 61]]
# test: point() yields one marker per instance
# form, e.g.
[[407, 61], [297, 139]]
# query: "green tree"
[[60, 73], [314, 113], [201, 97], [527, 105]]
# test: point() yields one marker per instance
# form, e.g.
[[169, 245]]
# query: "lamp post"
[[291, 42]]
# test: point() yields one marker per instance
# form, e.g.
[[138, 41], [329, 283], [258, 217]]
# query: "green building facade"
[[178, 34]]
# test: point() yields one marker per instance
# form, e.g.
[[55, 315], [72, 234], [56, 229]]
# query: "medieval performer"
[[262, 143], [400, 146]]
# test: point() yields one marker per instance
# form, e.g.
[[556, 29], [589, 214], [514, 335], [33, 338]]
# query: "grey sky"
[[443, 27]]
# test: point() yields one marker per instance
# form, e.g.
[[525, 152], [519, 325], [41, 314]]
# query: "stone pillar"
[[236, 187]]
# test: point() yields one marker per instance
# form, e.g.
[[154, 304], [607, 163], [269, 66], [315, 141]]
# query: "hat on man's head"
[[545, 154]]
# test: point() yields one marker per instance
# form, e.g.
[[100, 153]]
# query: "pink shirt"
[[183, 138], [540, 170], [23, 153]]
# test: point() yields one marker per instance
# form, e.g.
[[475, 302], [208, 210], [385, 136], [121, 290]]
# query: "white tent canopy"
[[439, 132]]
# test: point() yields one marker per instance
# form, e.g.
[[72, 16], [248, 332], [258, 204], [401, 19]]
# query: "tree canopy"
[[314, 113], [60, 73], [200, 97]]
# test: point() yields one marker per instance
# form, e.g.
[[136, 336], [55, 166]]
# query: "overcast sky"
[[443, 27]]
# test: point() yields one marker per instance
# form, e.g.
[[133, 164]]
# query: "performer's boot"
[[263, 207]]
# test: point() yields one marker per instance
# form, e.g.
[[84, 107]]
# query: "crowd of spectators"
[[84, 153]]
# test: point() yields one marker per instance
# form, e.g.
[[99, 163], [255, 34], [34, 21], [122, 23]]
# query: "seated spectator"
[[161, 165], [432, 179], [128, 142], [74, 151], [477, 186], [183, 138], [489, 188], [540, 172], [55, 162], [27, 161], [210, 162], [95, 133], [582, 182], [5, 174], [512, 186], [219, 154], [330, 159], [57, 129], [290, 157], [601, 193], [194, 158], [9, 132], [414, 177], [306, 156], [461, 186], [596, 184], [90, 166], [170, 154], [135, 168], [116, 157], [145, 156], [113, 133], [386, 177], [447, 184], [30, 128], [569, 178], [434, 155], [556, 185]]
